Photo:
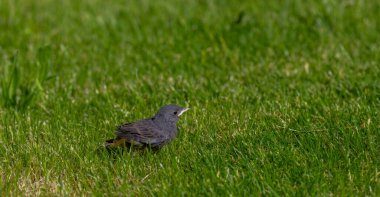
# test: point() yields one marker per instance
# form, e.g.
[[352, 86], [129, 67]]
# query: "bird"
[[154, 132]]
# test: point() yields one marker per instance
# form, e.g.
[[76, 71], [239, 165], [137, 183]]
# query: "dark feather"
[[153, 132]]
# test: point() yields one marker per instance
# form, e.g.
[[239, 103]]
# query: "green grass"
[[284, 96]]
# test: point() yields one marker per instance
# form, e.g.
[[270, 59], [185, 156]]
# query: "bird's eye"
[[175, 113]]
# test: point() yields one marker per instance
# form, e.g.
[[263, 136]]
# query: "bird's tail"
[[109, 143], [113, 143]]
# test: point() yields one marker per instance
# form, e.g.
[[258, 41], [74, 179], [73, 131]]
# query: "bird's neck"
[[164, 124]]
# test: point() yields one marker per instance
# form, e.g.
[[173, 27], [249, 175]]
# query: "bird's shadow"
[[118, 152]]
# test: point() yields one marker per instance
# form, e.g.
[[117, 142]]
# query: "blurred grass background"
[[284, 96]]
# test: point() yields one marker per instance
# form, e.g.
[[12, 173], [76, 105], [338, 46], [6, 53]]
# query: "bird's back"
[[144, 133]]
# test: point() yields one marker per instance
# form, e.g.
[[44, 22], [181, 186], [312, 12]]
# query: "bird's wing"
[[143, 132]]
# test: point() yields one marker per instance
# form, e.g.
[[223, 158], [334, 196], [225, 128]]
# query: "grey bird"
[[154, 132]]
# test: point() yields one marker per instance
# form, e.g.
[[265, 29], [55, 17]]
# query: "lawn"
[[284, 97]]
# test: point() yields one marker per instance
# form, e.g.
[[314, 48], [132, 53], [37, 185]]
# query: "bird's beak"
[[182, 111]]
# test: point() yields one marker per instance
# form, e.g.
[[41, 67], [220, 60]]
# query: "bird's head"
[[170, 113]]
